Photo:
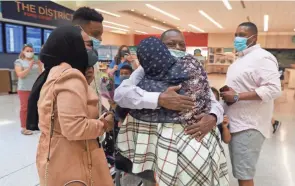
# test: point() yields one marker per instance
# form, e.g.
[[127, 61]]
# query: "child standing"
[[224, 126]]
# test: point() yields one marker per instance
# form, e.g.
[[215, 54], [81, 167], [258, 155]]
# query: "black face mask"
[[92, 57]]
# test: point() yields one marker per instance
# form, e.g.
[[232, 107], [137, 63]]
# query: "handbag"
[[89, 160]]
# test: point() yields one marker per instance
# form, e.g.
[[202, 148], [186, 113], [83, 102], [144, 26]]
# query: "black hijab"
[[65, 44]]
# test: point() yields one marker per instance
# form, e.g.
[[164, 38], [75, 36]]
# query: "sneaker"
[[276, 126]]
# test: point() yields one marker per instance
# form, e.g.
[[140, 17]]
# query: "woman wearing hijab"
[[156, 139], [68, 152]]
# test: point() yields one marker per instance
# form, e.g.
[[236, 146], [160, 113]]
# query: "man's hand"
[[173, 101], [200, 129], [228, 96]]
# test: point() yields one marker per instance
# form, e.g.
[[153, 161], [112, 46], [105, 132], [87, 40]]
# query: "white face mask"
[[177, 53], [29, 55]]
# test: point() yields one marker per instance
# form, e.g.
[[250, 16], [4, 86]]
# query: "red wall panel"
[[191, 39]]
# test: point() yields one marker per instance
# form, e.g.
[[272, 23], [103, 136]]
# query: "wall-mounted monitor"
[[1, 38], [33, 36], [46, 34], [14, 38]]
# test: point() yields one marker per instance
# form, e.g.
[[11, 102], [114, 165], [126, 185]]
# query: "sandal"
[[26, 132]]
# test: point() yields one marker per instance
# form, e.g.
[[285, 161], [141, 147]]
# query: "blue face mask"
[[122, 78], [96, 43], [177, 53], [240, 43]]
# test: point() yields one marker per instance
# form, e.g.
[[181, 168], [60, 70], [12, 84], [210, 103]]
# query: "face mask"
[[96, 43], [177, 53], [240, 43], [92, 57], [29, 55], [122, 78]]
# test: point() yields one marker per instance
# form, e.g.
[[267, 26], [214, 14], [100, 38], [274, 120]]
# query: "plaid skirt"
[[175, 157]]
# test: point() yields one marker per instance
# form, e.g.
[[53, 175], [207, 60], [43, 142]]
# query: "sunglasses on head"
[[28, 45]]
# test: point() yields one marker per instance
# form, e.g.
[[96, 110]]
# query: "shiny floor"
[[276, 166]]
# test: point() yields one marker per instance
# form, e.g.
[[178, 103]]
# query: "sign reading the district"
[[40, 12]]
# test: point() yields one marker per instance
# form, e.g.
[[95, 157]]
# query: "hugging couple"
[[172, 134]]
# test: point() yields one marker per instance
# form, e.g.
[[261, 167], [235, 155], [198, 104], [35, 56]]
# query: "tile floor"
[[17, 152]]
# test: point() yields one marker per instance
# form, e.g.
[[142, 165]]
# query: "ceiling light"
[[266, 18], [106, 12], [294, 29], [141, 32], [118, 32], [227, 4], [210, 18], [162, 11], [144, 14], [197, 28], [107, 26], [132, 10], [155, 18], [158, 28], [178, 27], [164, 22], [117, 24]]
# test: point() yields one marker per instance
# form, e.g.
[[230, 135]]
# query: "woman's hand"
[[31, 64], [200, 129], [40, 66], [116, 68], [108, 121]]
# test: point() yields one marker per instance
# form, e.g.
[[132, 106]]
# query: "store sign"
[[41, 12]]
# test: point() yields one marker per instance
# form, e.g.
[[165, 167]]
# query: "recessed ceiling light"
[[266, 19], [117, 24], [155, 18], [118, 32], [164, 22], [132, 10], [227, 4], [141, 32], [162, 11], [196, 28], [106, 12], [294, 29], [144, 14], [116, 28], [178, 27], [158, 28], [210, 18]]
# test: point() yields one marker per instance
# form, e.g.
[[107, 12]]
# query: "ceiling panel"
[[281, 14]]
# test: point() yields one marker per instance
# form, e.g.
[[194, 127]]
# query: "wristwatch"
[[236, 97]]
